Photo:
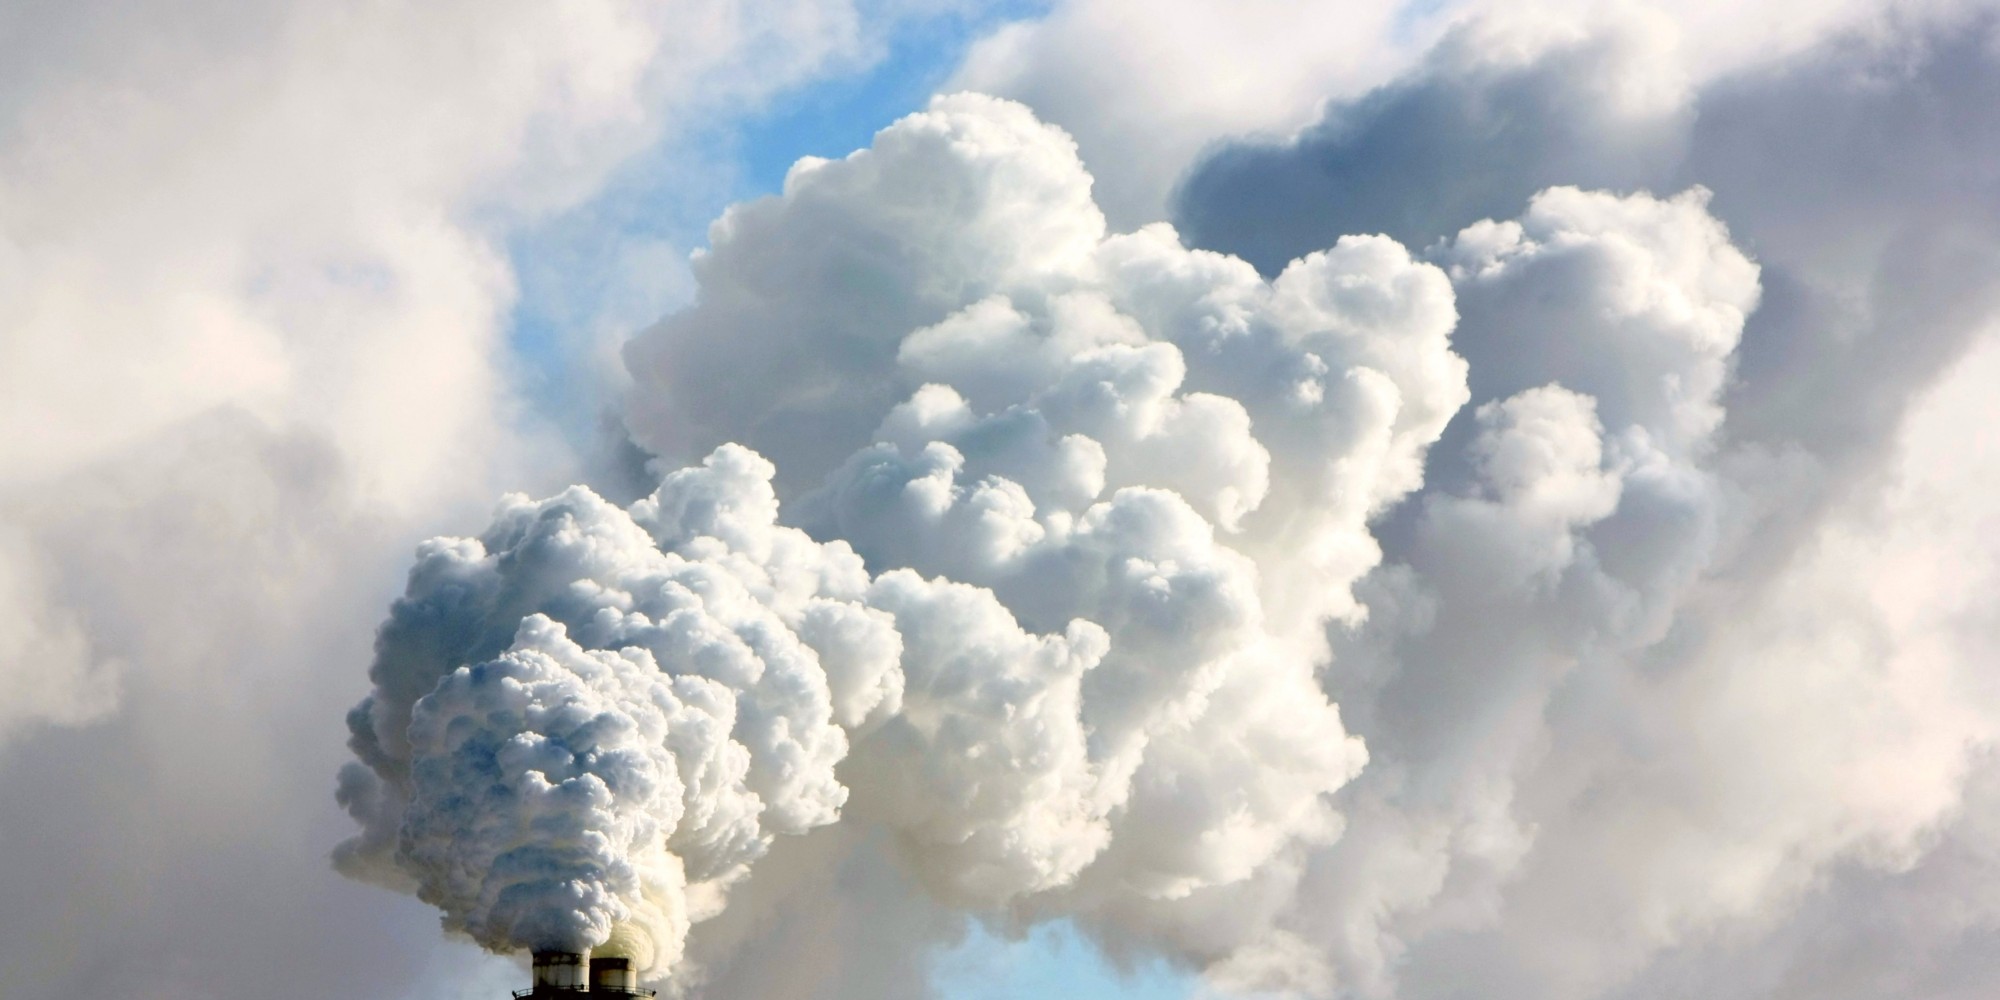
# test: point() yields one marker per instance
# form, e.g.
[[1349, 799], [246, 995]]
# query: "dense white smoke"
[[1108, 491], [1069, 517], [591, 719], [1120, 545], [1702, 712], [1665, 713], [259, 316]]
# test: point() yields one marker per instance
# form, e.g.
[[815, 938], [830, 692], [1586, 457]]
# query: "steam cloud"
[[1072, 524], [285, 287], [1079, 657]]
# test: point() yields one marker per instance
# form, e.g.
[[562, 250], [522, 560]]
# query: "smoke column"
[[1026, 544]]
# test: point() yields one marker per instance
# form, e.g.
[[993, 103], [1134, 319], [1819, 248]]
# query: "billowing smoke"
[[1050, 609], [1045, 553], [1675, 716], [591, 720]]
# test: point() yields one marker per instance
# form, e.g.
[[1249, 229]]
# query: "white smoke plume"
[[590, 719], [1100, 498], [1689, 698], [1070, 515], [259, 305], [1066, 549], [287, 286]]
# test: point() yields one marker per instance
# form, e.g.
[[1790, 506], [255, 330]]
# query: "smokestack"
[[558, 972], [615, 976], [562, 974]]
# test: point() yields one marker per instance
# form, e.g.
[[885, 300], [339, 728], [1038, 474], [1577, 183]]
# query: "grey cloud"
[[1928, 930], [1603, 783], [157, 844], [1465, 136], [1858, 173]]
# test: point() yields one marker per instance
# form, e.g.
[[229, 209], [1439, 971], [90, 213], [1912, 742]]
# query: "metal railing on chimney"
[[633, 991]]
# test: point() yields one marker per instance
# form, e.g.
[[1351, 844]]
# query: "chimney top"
[[570, 975], [558, 971], [613, 975]]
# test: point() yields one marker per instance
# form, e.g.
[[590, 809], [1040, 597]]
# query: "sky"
[[937, 499]]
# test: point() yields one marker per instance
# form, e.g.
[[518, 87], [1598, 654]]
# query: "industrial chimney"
[[613, 975], [566, 975], [557, 973]]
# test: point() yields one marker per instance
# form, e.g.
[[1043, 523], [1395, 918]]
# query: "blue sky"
[[1052, 961], [568, 265]]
